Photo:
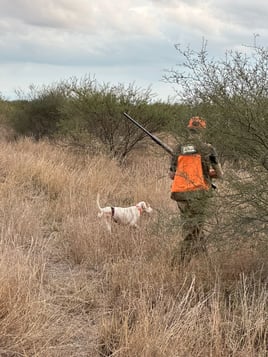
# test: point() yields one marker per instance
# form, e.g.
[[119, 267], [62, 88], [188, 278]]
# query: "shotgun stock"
[[153, 137]]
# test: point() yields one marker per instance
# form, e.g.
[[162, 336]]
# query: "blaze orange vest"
[[189, 174]]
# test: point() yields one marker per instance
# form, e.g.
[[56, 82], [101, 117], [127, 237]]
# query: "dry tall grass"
[[69, 289]]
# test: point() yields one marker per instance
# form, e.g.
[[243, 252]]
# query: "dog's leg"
[[108, 224], [134, 225]]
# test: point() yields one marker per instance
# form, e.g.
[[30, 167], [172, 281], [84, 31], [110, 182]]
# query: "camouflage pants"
[[193, 214]]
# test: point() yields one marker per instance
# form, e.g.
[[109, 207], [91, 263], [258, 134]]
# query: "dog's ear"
[[143, 205], [148, 208]]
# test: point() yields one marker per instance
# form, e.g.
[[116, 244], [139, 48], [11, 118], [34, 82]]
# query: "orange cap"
[[197, 123]]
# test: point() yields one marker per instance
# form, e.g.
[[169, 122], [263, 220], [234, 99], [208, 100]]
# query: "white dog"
[[123, 215]]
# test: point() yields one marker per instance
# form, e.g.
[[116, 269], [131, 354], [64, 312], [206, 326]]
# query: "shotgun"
[[154, 138]]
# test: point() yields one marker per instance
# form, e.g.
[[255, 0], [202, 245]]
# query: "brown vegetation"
[[69, 289]]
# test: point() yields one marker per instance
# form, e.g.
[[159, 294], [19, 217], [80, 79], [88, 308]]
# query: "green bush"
[[97, 110], [90, 114], [39, 114]]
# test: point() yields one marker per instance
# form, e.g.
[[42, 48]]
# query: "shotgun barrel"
[[153, 137]]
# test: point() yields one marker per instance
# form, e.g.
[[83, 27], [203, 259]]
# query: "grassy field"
[[70, 289]]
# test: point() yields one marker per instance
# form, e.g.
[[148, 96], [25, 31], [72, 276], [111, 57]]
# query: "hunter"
[[193, 166]]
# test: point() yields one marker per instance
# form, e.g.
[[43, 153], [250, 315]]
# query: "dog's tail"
[[98, 204]]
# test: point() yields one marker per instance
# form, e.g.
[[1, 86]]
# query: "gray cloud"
[[122, 38], [57, 13]]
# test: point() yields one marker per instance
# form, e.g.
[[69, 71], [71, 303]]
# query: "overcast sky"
[[120, 41]]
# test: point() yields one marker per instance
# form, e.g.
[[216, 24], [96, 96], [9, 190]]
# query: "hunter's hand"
[[213, 173]]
